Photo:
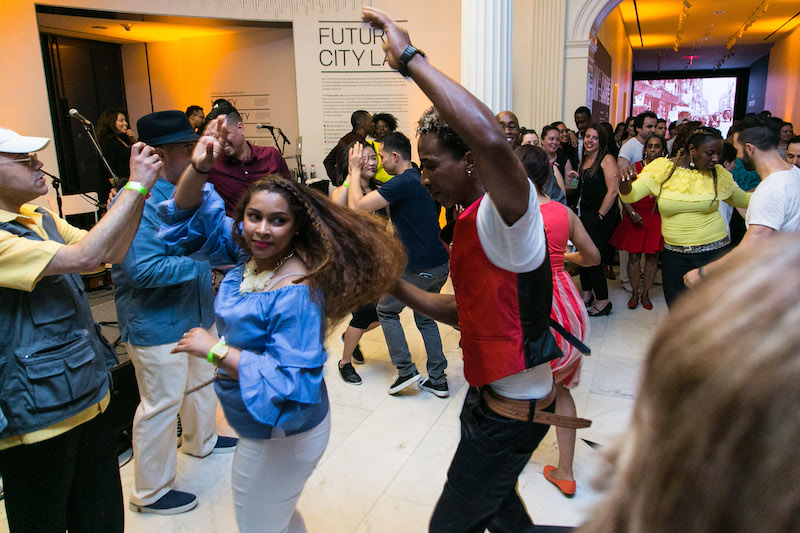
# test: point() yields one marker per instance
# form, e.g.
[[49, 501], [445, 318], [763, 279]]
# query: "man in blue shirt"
[[160, 295], [416, 223]]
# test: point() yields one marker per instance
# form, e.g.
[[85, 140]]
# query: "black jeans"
[[481, 488], [594, 278], [675, 264], [70, 482]]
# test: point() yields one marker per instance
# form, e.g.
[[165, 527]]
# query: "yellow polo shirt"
[[23, 260]]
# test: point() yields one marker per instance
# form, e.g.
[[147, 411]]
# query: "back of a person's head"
[[761, 132], [192, 109], [536, 164], [397, 142], [713, 439], [728, 153]]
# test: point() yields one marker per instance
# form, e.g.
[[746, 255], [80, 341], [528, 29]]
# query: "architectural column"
[[486, 51], [539, 35]]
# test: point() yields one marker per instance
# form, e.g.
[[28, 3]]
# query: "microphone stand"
[[89, 127], [275, 139], [58, 184]]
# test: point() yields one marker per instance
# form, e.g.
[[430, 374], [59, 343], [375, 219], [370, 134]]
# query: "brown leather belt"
[[531, 411]]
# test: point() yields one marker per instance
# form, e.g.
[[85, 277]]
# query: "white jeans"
[[162, 378], [269, 475]]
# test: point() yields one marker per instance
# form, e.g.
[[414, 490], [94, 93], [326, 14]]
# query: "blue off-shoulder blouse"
[[281, 332]]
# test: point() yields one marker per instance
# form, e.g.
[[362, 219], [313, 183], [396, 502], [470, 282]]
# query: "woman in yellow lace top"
[[688, 187]]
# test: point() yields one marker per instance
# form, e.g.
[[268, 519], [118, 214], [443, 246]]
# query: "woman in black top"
[[115, 138], [599, 185]]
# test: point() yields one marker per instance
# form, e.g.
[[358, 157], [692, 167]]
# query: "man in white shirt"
[[775, 204], [633, 150]]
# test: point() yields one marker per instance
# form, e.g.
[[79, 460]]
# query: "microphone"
[[262, 126], [74, 114]]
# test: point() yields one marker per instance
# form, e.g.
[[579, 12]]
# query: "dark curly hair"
[[388, 118], [432, 122], [350, 256]]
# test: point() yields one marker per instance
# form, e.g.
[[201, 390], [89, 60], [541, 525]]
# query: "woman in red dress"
[[561, 225], [640, 233]]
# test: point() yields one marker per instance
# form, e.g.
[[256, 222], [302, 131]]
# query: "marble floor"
[[387, 457]]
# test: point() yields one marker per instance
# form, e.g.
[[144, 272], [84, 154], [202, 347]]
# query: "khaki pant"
[[163, 377]]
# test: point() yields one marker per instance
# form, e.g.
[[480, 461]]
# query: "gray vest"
[[54, 362]]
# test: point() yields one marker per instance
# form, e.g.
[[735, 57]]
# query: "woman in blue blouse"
[[298, 263]]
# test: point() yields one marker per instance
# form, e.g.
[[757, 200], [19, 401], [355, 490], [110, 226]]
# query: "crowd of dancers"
[[713, 424]]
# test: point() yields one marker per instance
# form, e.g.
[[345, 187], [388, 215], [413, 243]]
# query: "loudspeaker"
[[124, 401]]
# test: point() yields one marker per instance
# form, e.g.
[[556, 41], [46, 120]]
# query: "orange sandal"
[[567, 487]]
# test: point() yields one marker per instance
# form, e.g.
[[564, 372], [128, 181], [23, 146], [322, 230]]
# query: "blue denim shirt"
[[160, 293]]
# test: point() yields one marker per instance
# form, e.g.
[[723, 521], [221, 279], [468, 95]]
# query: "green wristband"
[[136, 186], [346, 184]]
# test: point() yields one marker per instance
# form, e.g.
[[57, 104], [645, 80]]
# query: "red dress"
[[645, 238], [568, 307]]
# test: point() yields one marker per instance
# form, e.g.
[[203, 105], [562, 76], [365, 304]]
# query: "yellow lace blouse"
[[687, 202]]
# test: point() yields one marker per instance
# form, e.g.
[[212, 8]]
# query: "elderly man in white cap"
[[57, 454]]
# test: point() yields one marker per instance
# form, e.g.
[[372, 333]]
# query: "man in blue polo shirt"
[[416, 223], [160, 294]]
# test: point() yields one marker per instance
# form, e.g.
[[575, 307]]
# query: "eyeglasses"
[[30, 160]]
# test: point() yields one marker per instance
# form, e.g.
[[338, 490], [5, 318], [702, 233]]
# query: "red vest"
[[504, 316]]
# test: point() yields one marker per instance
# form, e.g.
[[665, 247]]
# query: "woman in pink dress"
[[562, 225], [640, 233]]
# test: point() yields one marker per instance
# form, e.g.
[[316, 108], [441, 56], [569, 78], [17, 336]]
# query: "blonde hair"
[[713, 444]]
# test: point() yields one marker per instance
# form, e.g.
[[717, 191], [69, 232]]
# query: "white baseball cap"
[[12, 142]]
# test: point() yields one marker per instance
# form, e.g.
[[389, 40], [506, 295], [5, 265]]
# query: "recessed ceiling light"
[[100, 27]]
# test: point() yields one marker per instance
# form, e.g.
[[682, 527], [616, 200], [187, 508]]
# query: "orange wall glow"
[[783, 78]]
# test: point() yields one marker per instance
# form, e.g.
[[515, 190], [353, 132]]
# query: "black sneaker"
[[441, 390], [225, 445], [401, 382], [173, 502], [358, 357], [349, 374]]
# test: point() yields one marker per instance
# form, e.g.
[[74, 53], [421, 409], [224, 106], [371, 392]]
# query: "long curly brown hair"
[[351, 257]]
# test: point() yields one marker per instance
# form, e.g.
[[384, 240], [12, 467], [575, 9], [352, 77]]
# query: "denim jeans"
[[389, 307], [481, 488]]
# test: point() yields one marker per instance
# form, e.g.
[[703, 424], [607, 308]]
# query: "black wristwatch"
[[405, 57]]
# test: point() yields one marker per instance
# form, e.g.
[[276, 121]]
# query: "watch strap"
[[405, 57], [213, 358]]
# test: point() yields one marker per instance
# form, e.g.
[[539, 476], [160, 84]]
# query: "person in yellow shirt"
[[57, 454], [385, 124], [688, 188]]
